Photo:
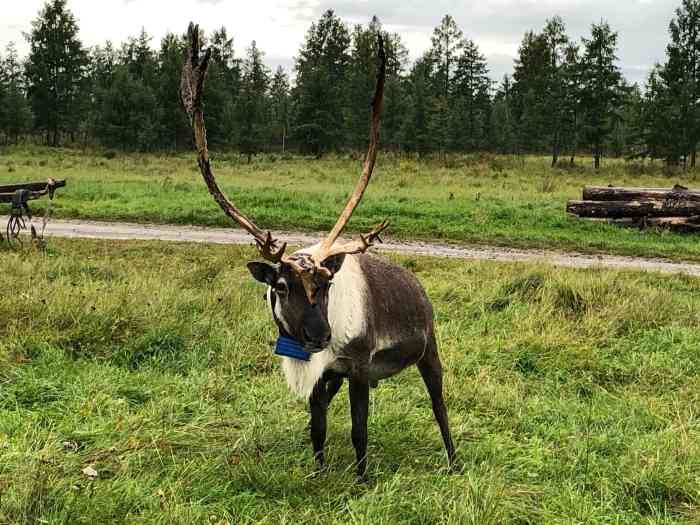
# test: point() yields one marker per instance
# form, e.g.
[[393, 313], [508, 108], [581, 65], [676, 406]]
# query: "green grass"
[[478, 199], [573, 397]]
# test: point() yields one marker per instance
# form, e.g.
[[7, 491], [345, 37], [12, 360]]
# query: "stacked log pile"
[[677, 207]]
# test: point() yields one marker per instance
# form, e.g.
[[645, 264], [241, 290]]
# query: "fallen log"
[[622, 209], [613, 193], [692, 222]]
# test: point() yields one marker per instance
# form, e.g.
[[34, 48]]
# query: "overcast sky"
[[279, 26]]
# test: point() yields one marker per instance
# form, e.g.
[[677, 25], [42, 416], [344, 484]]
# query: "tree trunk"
[[602, 193], [621, 209], [692, 159]]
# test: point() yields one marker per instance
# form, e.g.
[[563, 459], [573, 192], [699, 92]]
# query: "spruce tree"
[[658, 124], [320, 95], [554, 35], [222, 90], [396, 105], [130, 116], [502, 125], [279, 109], [55, 69], [530, 84], [416, 131], [470, 118], [15, 115], [447, 42], [174, 129], [102, 64], [601, 94], [251, 103], [681, 74], [572, 109], [360, 83], [3, 100]]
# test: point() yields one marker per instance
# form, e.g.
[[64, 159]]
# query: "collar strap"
[[288, 347]]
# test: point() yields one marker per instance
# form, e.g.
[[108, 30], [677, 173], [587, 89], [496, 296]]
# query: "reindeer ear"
[[263, 272], [334, 263]]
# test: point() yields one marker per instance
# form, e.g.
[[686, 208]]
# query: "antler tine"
[[362, 245], [194, 74]]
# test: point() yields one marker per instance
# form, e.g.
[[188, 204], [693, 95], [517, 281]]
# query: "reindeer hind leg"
[[431, 370]]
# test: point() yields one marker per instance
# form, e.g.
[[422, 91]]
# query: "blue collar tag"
[[291, 348]]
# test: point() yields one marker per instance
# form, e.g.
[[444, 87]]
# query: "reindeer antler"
[[309, 267], [192, 93], [328, 246]]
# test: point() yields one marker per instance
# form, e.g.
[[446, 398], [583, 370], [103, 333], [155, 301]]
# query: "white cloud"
[[279, 26]]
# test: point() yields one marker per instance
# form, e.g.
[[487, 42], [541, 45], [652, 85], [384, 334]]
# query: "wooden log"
[[603, 193], [692, 222], [31, 186], [622, 209]]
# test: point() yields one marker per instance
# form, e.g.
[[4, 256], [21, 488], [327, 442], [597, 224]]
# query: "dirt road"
[[107, 230]]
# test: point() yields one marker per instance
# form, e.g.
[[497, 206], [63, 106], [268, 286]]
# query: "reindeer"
[[356, 316]]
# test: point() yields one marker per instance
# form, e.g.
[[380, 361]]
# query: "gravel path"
[[110, 230]]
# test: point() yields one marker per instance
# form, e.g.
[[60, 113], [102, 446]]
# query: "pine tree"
[[130, 116], [416, 131], [15, 116], [530, 83], [395, 105], [320, 95], [138, 56], [279, 109], [361, 79], [361, 83], [3, 100], [502, 125], [601, 92], [55, 69], [222, 91], [102, 64], [554, 34], [472, 100], [174, 129], [658, 121], [447, 42], [128, 113], [681, 73], [250, 106], [572, 109]]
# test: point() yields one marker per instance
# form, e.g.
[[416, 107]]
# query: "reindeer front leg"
[[359, 406], [318, 402]]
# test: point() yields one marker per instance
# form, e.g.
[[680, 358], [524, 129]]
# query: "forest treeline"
[[564, 97]]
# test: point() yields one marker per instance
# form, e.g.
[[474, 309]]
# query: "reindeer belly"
[[390, 358]]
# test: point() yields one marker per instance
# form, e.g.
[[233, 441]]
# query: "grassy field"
[[574, 397], [479, 199]]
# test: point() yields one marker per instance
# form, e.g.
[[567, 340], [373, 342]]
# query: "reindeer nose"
[[316, 340]]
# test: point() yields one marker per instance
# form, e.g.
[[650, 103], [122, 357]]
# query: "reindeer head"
[[298, 283]]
